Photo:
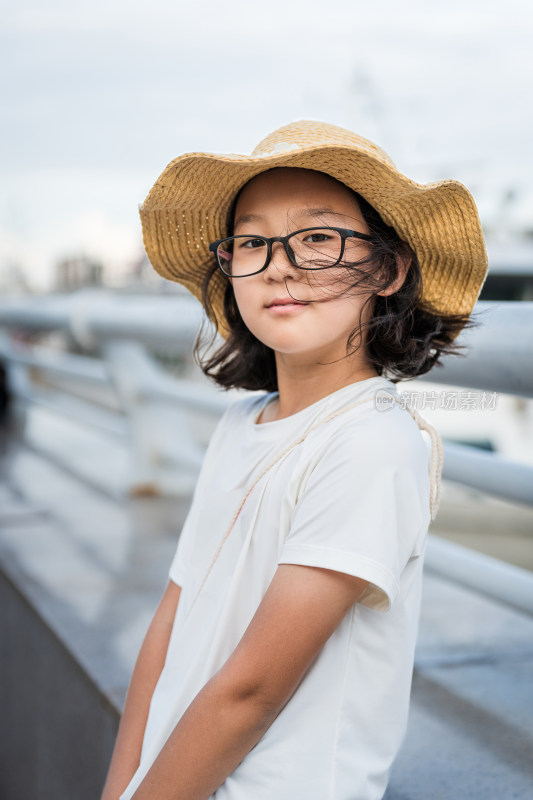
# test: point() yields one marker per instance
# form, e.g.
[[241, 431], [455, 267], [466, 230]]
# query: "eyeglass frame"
[[344, 234]]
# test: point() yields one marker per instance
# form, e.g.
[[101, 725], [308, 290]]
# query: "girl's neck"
[[302, 385]]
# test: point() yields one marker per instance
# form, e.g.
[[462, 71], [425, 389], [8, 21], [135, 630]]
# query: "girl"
[[278, 664]]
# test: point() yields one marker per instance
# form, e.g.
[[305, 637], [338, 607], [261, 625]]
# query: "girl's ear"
[[403, 261]]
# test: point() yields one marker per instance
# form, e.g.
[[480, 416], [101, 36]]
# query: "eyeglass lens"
[[319, 248]]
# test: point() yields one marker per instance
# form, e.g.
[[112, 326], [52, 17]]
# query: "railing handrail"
[[499, 355], [487, 472]]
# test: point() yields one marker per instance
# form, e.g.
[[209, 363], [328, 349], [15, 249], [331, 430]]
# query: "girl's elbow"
[[259, 701]]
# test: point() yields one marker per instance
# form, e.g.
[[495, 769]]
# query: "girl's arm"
[[300, 610], [148, 667]]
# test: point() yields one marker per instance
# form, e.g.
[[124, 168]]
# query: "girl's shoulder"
[[375, 436], [244, 409]]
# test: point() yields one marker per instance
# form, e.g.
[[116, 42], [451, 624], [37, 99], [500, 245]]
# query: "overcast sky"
[[98, 97]]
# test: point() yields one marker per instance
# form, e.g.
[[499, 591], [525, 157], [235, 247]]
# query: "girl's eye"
[[252, 243], [317, 237]]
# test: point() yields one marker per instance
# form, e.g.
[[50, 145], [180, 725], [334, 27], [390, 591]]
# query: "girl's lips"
[[283, 306]]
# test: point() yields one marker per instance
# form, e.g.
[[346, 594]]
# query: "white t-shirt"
[[353, 496]]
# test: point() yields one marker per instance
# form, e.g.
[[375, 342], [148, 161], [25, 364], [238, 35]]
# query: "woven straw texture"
[[188, 207]]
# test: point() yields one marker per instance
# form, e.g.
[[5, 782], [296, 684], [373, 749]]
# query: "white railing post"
[[165, 457]]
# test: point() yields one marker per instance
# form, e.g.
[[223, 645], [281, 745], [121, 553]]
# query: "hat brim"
[[188, 207]]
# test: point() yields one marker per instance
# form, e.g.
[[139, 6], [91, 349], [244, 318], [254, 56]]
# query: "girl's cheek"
[[342, 284], [247, 308], [330, 284]]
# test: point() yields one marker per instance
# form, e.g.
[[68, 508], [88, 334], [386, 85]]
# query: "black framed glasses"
[[309, 249]]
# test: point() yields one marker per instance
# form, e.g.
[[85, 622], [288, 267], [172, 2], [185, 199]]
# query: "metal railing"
[[122, 332]]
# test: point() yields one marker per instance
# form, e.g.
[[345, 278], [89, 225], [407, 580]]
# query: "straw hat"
[[188, 207]]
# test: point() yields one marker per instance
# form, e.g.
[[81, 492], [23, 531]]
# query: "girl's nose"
[[280, 262]]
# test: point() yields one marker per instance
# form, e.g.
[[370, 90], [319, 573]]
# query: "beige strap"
[[437, 459], [435, 469]]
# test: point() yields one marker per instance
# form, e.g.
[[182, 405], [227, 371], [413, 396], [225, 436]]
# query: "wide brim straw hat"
[[188, 207]]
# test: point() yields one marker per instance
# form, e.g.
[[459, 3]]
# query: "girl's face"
[[276, 203]]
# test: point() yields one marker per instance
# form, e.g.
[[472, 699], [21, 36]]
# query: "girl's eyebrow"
[[304, 212], [248, 218], [319, 212]]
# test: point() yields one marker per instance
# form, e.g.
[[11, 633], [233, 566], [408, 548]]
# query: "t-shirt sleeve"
[[364, 510], [178, 569]]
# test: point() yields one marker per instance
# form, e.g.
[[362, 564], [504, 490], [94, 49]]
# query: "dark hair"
[[406, 336]]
